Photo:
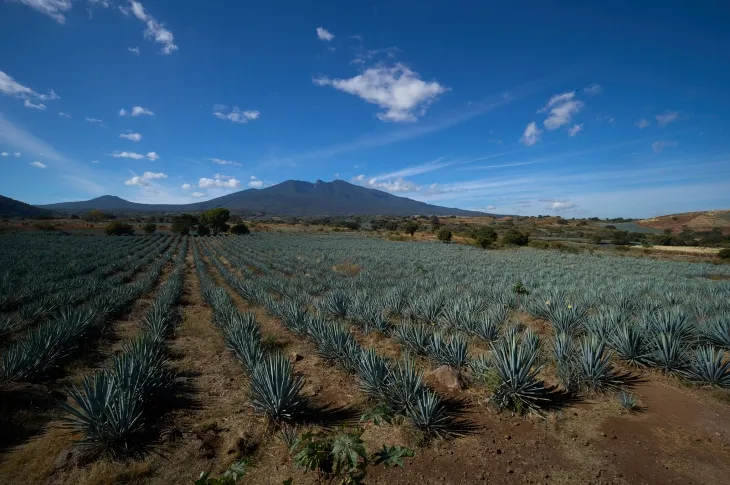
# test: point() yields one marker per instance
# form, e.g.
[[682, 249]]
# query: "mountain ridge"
[[290, 198]]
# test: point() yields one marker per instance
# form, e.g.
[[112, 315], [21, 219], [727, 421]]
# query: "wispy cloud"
[[135, 137], [593, 89], [561, 108], [53, 8], [136, 111], [658, 146], [667, 117], [38, 164], [10, 87], [94, 120], [219, 181], [220, 161], [255, 183], [234, 114], [398, 90], [575, 129], [324, 34], [155, 30], [64, 115], [531, 135], [135, 156], [643, 123], [133, 50], [28, 104]]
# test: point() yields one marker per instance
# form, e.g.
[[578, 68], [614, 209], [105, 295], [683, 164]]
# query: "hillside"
[[290, 198], [697, 221], [15, 208]]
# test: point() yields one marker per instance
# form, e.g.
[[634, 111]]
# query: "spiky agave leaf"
[[428, 413], [628, 343], [451, 350], [565, 318], [717, 330], [519, 387], [710, 366], [109, 418], [403, 385], [667, 352], [336, 303], [605, 323], [628, 401], [488, 324], [245, 343], [372, 371], [417, 337], [274, 390], [563, 348], [670, 322], [597, 371]]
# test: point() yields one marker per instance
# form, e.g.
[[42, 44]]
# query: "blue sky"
[[539, 108]]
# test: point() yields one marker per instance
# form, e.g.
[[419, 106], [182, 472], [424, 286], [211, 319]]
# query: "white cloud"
[[4, 154], [666, 118], [575, 129], [234, 115], [135, 137], [219, 161], [593, 89], [136, 111], [133, 50], [52, 8], [658, 146], [39, 106], [559, 205], [642, 123], [220, 181], [154, 176], [10, 87], [138, 181], [491, 207], [132, 155], [398, 184], [198, 194], [324, 34], [64, 115], [38, 164], [16, 154], [186, 186], [95, 161], [155, 29], [531, 134], [562, 108], [94, 120], [135, 156], [255, 183], [398, 90]]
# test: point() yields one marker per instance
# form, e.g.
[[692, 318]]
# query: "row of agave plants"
[[651, 331], [33, 266], [397, 385], [116, 410], [46, 345], [117, 269]]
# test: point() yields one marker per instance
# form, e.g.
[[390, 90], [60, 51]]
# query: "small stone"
[[295, 357], [444, 378]]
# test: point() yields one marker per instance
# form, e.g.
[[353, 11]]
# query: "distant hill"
[[290, 198], [697, 221], [15, 208]]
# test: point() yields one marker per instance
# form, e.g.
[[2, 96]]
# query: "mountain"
[[697, 221], [15, 208], [290, 198]]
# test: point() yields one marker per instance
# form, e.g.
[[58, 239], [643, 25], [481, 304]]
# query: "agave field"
[[526, 337]]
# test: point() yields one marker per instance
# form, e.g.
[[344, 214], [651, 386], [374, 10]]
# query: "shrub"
[[118, 228], [149, 228], [203, 230], [724, 254], [410, 227], [485, 237], [444, 235], [215, 219], [240, 229], [515, 238], [183, 223]]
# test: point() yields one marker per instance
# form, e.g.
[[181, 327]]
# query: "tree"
[[515, 238], [724, 254], [391, 225], [215, 219], [149, 228], [96, 215], [203, 230], [444, 235], [118, 228], [240, 229], [183, 223], [485, 236], [435, 223], [410, 227], [621, 238]]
